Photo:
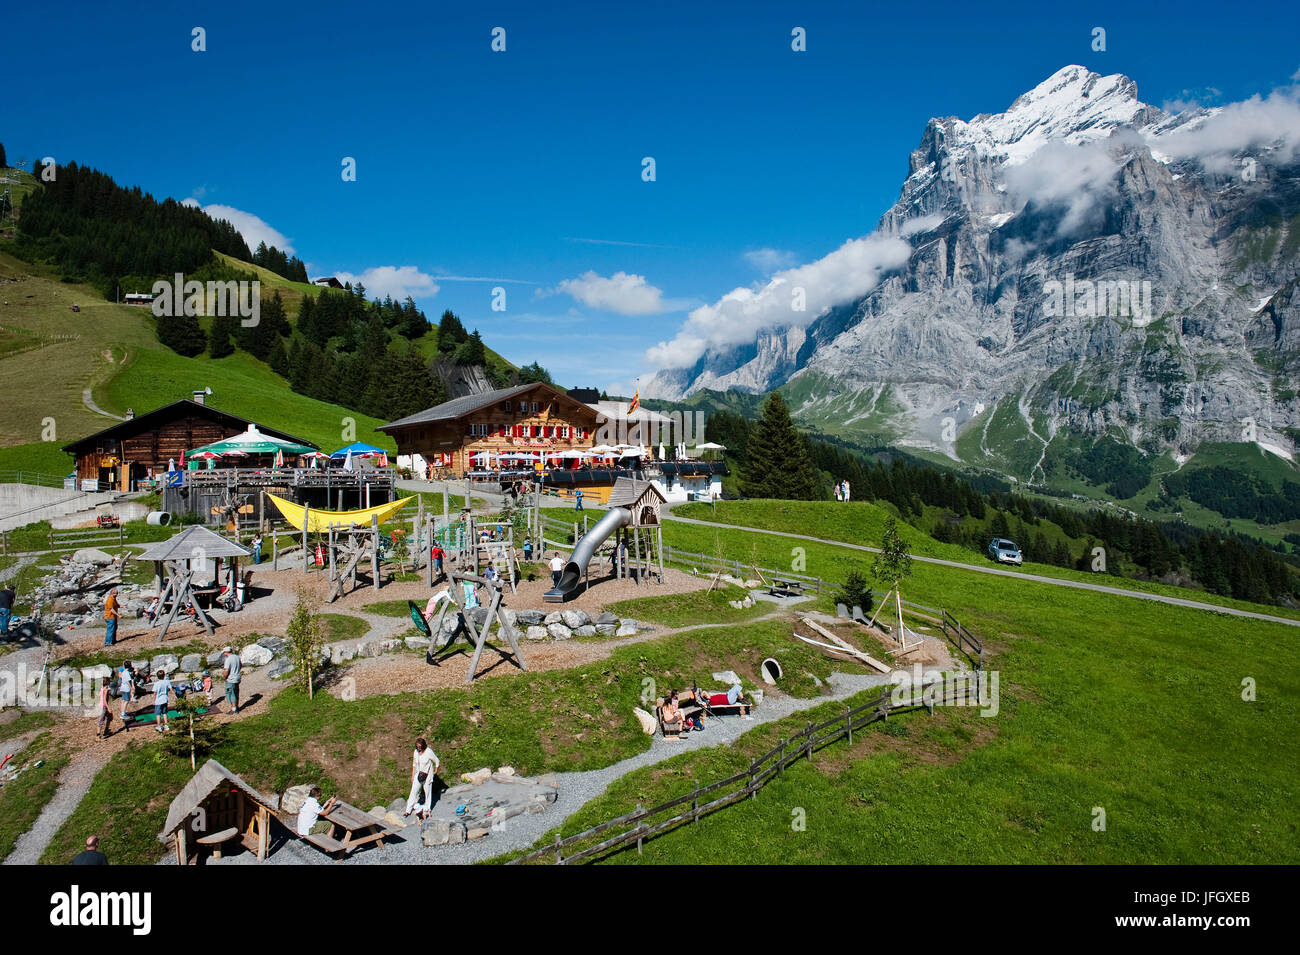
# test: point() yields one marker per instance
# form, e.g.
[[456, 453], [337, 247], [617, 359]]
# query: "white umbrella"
[[604, 449], [482, 457], [710, 446], [575, 453], [633, 453], [663, 455], [347, 462]]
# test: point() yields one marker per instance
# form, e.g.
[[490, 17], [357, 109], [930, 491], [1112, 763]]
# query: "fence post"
[[559, 857], [848, 722], [639, 825], [753, 792], [695, 817], [780, 765], [808, 745]]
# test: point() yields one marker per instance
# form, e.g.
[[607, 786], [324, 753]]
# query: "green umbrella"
[[253, 441]]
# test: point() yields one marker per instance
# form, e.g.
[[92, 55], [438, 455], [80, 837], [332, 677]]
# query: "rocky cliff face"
[[1082, 263]]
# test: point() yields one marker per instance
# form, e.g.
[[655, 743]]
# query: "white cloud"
[[921, 224], [254, 229], [621, 292], [768, 260], [398, 281], [1224, 133], [846, 274], [1080, 178]]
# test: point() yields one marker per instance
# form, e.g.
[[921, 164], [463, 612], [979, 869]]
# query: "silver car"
[[1005, 552]]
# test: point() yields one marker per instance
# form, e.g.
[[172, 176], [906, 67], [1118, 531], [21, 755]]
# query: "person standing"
[[846, 489], [105, 712], [207, 687], [233, 668], [91, 854], [6, 608], [528, 549], [126, 690], [424, 766], [111, 613], [257, 548], [162, 688], [557, 568], [578, 496], [437, 554]]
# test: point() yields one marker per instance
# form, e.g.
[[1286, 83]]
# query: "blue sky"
[[522, 169]]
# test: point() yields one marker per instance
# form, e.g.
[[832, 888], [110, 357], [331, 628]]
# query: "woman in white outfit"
[[424, 766]]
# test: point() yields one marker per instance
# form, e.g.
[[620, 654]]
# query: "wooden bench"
[[327, 844], [785, 588], [668, 729], [216, 839]]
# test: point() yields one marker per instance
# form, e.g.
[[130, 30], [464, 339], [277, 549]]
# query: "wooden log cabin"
[[122, 456], [535, 418]]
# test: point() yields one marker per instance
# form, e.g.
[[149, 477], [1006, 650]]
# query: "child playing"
[[161, 688]]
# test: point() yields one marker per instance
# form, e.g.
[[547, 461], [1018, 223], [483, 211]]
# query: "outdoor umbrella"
[[253, 441], [347, 462], [604, 449], [361, 450], [710, 446], [633, 453]]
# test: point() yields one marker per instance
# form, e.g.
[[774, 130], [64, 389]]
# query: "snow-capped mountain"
[[1084, 264]]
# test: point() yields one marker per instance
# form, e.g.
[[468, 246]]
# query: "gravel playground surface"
[[576, 790]]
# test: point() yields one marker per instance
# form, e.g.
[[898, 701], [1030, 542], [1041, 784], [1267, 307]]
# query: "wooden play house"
[[644, 501], [215, 808]]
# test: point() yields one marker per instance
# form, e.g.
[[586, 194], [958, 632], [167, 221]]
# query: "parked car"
[[1005, 552]]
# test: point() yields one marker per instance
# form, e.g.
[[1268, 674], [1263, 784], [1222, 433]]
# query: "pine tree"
[[779, 464], [4, 163], [182, 334], [219, 343]]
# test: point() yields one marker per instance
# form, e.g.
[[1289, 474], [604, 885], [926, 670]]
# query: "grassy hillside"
[[862, 523]]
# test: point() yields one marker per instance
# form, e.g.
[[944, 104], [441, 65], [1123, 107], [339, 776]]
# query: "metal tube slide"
[[571, 577]]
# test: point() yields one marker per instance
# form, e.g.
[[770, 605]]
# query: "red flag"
[[636, 402]]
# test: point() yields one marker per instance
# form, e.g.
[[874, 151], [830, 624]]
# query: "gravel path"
[[576, 790], [74, 782]]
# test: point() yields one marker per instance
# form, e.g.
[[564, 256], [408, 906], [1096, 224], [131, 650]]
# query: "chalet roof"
[[210, 777], [459, 407], [617, 411], [193, 543], [628, 491], [177, 409]]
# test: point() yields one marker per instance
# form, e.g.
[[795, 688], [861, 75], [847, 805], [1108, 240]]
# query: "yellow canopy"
[[321, 520]]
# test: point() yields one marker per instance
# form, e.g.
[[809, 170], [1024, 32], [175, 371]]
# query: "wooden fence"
[[647, 823], [740, 569], [88, 538]]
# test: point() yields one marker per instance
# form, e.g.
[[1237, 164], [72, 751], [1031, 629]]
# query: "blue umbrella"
[[357, 448]]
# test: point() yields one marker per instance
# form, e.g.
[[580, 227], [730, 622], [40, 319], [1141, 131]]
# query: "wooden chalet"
[[535, 418], [128, 453]]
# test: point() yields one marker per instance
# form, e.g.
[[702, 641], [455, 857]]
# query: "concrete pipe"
[[771, 671], [158, 518]]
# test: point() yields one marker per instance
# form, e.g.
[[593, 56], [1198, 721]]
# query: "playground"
[[564, 703]]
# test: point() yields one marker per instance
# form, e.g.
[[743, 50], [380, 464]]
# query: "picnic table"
[[785, 588], [350, 828]]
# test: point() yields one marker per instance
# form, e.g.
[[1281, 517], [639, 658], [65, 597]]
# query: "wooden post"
[[696, 816], [306, 522], [182, 855], [559, 859], [848, 722], [333, 543], [639, 825], [660, 550], [275, 551], [636, 540], [374, 545], [261, 511], [263, 831]]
